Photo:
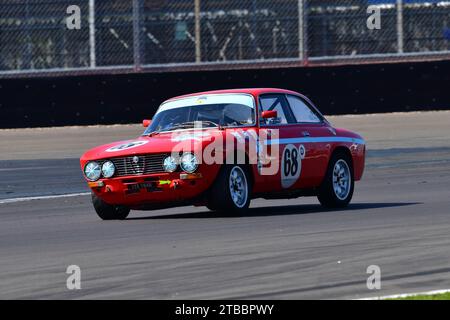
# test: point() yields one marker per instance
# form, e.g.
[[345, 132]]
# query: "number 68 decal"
[[291, 164]]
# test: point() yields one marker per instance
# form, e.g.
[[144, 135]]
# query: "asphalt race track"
[[399, 220]]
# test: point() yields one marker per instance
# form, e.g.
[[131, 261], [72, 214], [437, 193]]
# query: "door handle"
[[306, 134]]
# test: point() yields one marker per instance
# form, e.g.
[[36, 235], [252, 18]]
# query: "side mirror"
[[269, 114], [146, 123]]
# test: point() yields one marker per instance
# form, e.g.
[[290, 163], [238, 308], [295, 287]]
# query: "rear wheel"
[[337, 188], [231, 191], [107, 211]]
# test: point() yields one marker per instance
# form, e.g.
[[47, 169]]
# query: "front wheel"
[[231, 191], [107, 211], [337, 188]]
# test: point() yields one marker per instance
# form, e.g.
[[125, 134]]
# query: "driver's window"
[[273, 102], [237, 115]]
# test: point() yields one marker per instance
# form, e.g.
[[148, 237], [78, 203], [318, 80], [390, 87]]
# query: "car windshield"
[[220, 110]]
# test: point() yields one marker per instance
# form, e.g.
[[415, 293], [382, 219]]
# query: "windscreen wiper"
[[151, 134], [192, 124], [183, 125]]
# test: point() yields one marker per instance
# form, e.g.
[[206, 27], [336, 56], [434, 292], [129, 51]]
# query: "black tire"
[[327, 195], [109, 212], [220, 198]]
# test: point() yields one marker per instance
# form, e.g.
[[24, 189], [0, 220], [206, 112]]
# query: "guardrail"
[[47, 37]]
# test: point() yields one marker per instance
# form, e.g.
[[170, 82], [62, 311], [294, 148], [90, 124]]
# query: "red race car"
[[222, 149]]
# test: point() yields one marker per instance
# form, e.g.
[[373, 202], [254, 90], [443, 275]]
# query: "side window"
[[275, 102], [301, 111]]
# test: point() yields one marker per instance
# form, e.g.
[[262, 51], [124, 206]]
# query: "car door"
[[314, 132], [294, 156]]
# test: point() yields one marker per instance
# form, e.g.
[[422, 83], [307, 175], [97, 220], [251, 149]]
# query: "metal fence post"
[[137, 31], [28, 45], [198, 47], [400, 26], [302, 31], [92, 54]]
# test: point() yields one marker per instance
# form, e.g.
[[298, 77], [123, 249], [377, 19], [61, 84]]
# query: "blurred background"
[[127, 56], [135, 35]]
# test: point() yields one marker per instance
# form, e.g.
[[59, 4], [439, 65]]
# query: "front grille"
[[138, 164]]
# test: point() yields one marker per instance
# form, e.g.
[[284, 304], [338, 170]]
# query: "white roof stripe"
[[237, 98]]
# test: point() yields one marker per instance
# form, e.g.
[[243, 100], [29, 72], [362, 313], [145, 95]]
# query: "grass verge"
[[440, 296]]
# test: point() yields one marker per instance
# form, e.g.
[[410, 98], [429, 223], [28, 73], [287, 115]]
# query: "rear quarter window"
[[301, 111]]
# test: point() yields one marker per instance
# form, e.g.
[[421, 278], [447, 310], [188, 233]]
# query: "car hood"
[[160, 143]]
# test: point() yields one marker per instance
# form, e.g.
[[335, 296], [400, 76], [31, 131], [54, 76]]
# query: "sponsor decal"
[[201, 100], [291, 164], [126, 146]]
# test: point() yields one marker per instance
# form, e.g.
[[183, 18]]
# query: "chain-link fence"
[[38, 36]]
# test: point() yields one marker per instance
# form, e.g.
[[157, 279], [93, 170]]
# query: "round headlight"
[[189, 162], [108, 169], [92, 171], [170, 164]]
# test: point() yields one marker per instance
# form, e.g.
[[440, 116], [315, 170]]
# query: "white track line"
[[406, 295], [14, 200]]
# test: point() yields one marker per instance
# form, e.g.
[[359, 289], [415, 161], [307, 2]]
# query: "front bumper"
[[157, 189]]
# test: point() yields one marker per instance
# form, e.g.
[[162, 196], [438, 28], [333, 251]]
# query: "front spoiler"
[[152, 191]]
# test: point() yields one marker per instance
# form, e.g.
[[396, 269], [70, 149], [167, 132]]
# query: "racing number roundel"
[[291, 164], [125, 146]]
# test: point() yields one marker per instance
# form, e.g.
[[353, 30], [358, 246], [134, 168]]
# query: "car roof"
[[253, 91]]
